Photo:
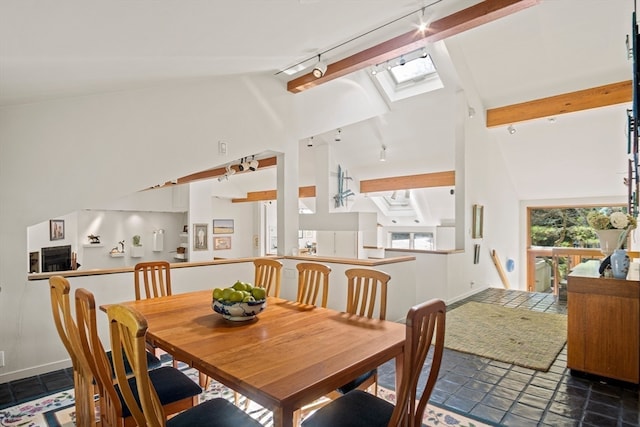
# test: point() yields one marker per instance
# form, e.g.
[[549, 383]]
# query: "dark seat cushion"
[[213, 413], [170, 384], [355, 409], [352, 385], [152, 362]]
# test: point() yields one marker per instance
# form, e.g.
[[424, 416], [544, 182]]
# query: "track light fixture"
[[320, 68], [338, 136], [383, 153], [424, 22], [244, 165], [319, 72], [310, 142], [230, 170], [511, 129], [253, 164]]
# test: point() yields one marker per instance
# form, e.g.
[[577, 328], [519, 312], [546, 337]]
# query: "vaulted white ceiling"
[[73, 48]]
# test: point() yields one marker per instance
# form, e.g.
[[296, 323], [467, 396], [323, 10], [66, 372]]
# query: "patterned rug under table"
[[57, 410]]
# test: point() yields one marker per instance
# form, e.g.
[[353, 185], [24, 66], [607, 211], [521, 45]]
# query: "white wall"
[[242, 215], [115, 226], [69, 154], [66, 155]]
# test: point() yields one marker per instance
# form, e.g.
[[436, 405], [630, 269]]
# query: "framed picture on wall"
[[222, 226], [221, 243], [56, 229], [476, 230], [200, 237]]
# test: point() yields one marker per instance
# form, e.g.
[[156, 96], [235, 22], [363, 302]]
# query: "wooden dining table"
[[288, 356]]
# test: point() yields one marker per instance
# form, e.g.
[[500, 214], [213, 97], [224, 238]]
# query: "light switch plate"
[[222, 147]]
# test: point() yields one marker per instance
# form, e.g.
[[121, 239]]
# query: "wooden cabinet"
[[603, 329]]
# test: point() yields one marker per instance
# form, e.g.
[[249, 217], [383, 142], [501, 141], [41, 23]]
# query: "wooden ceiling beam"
[[214, 173], [456, 23], [261, 196], [601, 96], [407, 182]]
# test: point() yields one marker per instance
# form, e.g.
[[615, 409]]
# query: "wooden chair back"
[[268, 275], [128, 329], [362, 292], [425, 322], [68, 331], [156, 278], [111, 411], [313, 278]]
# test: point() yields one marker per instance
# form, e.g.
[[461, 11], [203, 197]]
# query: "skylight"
[[409, 75], [415, 69]]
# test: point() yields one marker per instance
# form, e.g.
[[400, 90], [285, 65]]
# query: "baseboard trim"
[[34, 370]]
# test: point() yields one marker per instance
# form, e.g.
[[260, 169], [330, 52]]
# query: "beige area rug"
[[513, 335]]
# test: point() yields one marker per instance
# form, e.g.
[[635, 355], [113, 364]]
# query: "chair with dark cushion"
[[128, 329], [176, 391], [268, 275], [360, 409], [83, 384], [313, 279], [364, 285], [154, 277]]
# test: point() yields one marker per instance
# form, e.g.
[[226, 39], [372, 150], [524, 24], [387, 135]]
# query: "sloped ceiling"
[[71, 48]]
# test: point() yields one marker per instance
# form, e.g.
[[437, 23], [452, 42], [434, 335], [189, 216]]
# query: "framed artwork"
[[56, 229], [221, 243], [222, 226], [476, 230], [200, 237]]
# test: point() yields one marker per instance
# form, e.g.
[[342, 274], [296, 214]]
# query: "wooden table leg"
[[282, 417], [399, 368]]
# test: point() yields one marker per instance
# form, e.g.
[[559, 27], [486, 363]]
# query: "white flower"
[[619, 220]]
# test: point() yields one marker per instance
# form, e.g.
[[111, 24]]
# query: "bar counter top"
[[351, 261]]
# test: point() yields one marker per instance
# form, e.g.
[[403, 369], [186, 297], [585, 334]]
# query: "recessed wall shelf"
[[116, 254]]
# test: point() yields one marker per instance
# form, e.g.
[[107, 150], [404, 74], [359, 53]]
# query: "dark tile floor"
[[508, 395], [494, 392]]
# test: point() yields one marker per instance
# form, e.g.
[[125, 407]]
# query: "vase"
[[619, 264], [609, 240]]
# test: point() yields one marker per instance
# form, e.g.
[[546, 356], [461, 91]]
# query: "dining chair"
[[127, 330], [83, 384], [268, 275], [363, 287], [362, 291], [176, 391], [313, 278], [357, 408], [155, 276]]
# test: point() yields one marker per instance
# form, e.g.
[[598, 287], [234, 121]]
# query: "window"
[[413, 70], [409, 75], [407, 240]]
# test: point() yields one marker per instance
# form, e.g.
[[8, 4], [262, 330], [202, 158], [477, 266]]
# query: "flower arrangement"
[[616, 220]]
